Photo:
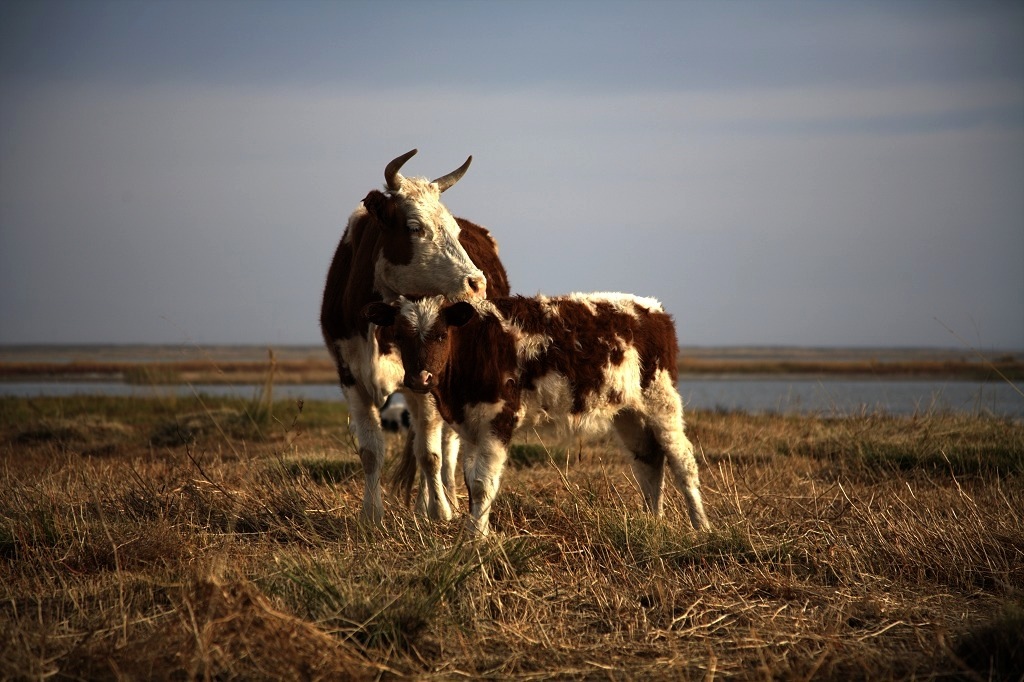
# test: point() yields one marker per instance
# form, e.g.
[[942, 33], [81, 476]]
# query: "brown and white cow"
[[579, 363], [401, 242]]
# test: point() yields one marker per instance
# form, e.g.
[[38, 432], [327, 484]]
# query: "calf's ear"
[[458, 314], [381, 314]]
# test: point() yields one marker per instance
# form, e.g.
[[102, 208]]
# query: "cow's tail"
[[403, 475]]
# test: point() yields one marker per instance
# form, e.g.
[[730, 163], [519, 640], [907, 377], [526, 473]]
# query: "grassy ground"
[[218, 539]]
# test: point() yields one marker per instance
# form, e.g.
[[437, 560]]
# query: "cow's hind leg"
[[365, 422], [648, 458]]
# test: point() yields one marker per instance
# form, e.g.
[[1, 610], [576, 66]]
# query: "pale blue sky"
[[776, 173]]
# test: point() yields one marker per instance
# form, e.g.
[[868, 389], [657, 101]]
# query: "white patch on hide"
[[478, 420], [423, 314], [624, 303], [379, 374], [623, 379]]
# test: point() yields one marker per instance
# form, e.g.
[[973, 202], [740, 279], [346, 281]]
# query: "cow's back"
[[483, 251]]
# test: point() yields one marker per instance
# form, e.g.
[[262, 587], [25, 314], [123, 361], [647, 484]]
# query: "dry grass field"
[[218, 539]]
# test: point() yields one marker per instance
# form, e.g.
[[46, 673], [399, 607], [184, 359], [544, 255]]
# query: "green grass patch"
[[325, 471], [951, 444], [150, 375], [995, 649], [640, 539], [526, 455], [965, 459], [381, 603]]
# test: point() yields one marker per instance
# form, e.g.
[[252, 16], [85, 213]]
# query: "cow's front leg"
[[365, 423], [483, 482], [428, 449]]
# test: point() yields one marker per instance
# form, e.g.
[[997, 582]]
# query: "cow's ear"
[[458, 314], [381, 314], [376, 204]]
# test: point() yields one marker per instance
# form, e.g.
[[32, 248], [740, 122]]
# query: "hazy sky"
[[776, 173]]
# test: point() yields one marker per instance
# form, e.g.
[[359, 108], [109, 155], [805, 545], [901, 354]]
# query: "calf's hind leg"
[[679, 452], [665, 420], [648, 458], [653, 445]]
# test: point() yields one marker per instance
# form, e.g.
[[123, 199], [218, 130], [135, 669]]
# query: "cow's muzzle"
[[476, 286]]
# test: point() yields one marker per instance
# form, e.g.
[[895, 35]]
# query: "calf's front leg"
[[485, 461], [428, 446], [449, 462]]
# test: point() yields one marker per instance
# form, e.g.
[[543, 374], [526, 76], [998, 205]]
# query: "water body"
[[823, 396]]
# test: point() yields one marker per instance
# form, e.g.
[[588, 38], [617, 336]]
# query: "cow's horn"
[[446, 181], [391, 175]]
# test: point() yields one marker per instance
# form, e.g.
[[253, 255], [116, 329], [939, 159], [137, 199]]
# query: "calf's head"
[[420, 252], [421, 330]]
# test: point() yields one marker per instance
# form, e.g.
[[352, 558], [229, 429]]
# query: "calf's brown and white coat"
[[401, 242], [579, 363]]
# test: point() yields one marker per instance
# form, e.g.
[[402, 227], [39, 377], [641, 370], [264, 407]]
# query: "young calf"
[[579, 363]]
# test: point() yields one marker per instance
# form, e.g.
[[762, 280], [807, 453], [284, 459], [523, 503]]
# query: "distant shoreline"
[[138, 364]]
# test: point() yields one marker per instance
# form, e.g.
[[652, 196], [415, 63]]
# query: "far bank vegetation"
[[312, 365]]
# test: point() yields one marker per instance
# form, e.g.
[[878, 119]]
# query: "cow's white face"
[[432, 261]]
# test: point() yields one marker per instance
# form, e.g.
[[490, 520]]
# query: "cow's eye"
[[413, 226]]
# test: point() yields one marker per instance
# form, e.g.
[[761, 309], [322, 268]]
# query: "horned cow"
[[579, 363], [401, 242]]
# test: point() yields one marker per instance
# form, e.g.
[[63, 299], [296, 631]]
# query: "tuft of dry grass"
[[867, 547]]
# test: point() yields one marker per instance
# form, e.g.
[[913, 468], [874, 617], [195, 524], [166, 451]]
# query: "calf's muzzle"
[[421, 382]]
